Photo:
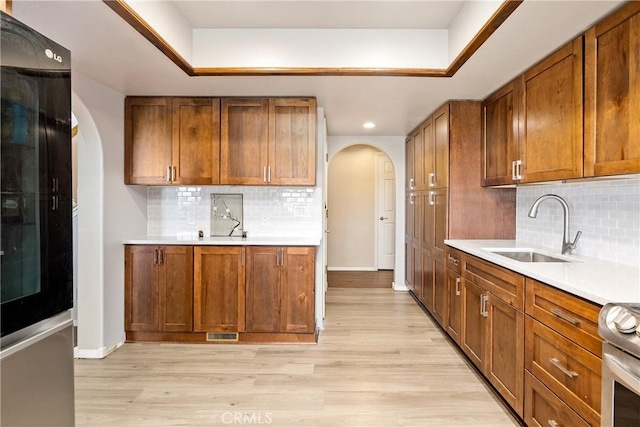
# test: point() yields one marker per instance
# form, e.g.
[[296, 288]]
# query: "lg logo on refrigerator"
[[53, 56]]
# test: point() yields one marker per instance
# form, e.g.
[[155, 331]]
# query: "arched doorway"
[[361, 201], [89, 232]]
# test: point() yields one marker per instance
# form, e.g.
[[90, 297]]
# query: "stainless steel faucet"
[[567, 245]]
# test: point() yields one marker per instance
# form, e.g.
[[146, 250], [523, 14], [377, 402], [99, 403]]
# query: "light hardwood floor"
[[379, 362]]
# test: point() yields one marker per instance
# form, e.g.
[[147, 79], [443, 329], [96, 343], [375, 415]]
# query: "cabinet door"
[[244, 132], [292, 141], [410, 206], [263, 289], [418, 160], [147, 140], [408, 265], [141, 288], [504, 364], [473, 323], [409, 147], [175, 285], [298, 289], [500, 135], [219, 289], [550, 139], [440, 178], [439, 292], [612, 94], [196, 140], [439, 204], [453, 319], [424, 276], [428, 153]]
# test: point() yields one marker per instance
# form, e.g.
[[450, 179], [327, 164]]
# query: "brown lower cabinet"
[[218, 300], [537, 345], [158, 288], [280, 289], [185, 293]]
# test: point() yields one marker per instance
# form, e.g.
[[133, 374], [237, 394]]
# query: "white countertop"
[[596, 280], [226, 241]]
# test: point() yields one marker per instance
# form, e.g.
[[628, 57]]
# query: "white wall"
[[352, 209], [122, 209], [392, 146], [471, 18]]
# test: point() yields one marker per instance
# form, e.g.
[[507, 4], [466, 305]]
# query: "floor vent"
[[222, 336]]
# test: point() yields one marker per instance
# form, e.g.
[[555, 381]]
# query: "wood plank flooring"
[[379, 362], [360, 279]]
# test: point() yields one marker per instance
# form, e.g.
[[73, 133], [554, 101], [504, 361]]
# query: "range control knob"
[[625, 322]]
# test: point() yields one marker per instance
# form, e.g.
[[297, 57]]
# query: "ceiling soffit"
[[133, 18]]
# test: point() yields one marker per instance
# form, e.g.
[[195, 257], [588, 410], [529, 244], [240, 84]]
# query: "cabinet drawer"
[[454, 259], [570, 316], [543, 408], [568, 370], [505, 284]]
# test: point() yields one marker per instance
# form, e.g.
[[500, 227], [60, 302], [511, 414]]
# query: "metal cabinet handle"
[[483, 305], [432, 200], [412, 198], [453, 260], [432, 179], [411, 181], [264, 174], [457, 286], [173, 173], [168, 173], [565, 317], [513, 170], [519, 164], [155, 256], [555, 362], [268, 173], [552, 423]]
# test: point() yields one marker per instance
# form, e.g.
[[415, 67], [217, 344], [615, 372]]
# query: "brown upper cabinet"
[[612, 94], [268, 141], [532, 127], [206, 141], [172, 140]]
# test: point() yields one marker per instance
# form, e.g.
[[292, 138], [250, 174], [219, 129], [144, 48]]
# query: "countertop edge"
[[225, 241], [583, 270]]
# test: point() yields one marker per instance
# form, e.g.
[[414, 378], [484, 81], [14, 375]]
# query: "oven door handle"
[[630, 380]]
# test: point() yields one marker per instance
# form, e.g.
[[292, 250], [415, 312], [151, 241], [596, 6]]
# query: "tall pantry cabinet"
[[445, 199]]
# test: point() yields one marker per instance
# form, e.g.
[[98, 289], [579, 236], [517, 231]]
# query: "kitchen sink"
[[529, 256]]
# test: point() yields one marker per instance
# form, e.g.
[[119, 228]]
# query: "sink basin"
[[529, 256]]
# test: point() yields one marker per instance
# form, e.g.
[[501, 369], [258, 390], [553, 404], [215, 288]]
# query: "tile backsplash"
[[268, 211], [606, 211]]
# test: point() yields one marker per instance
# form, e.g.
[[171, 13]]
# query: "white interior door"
[[386, 200]]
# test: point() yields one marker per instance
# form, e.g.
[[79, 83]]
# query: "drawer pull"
[[553, 423], [457, 286], [453, 260], [560, 314], [555, 362]]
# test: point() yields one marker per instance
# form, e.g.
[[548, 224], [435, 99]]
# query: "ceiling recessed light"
[[369, 125]]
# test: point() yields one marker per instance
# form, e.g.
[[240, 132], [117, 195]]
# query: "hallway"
[[379, 362]]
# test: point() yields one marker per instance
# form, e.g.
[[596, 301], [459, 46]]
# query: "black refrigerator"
[[36, 262]]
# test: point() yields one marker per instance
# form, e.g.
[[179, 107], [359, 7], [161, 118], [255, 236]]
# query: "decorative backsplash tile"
[[268, 211], [606, 211]]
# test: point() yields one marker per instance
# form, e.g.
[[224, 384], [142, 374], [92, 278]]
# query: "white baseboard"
[[351, 269], [400, 288], [98, 353]]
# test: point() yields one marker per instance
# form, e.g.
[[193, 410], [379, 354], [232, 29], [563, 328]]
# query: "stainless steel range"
[[619, 325]]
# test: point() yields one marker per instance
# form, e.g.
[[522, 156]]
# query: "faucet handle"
[[575, 241]]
